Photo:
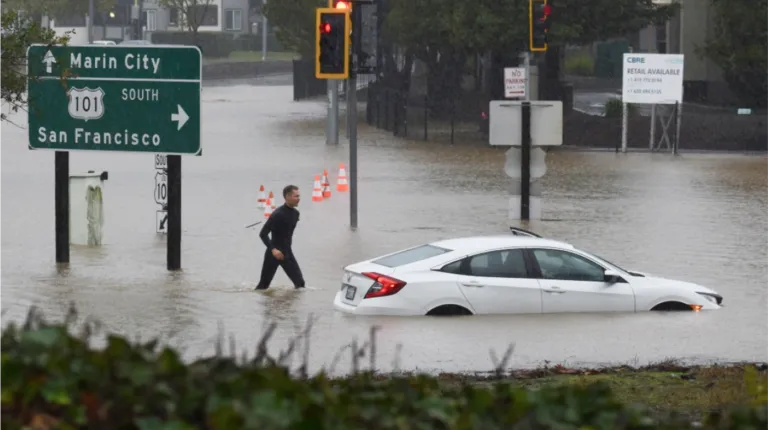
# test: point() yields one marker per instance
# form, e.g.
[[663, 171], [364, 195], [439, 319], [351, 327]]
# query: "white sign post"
[[652, 79], [515, 82]]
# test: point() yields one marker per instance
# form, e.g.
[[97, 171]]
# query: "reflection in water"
[[700, 218]]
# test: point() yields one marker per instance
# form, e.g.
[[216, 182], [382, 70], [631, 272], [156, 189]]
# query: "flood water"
[[697, 217]]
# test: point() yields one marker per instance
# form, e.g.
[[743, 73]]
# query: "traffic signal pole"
[[352, 116], [338, 57], [525, 143], [332, 119], [538, 26]]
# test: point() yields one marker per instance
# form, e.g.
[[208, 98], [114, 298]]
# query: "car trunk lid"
[[354, 285]]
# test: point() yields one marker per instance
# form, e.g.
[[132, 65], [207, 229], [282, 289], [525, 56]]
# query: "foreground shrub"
[[52, 379]]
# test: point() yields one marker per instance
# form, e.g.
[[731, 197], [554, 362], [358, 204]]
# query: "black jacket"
[[281, 224]]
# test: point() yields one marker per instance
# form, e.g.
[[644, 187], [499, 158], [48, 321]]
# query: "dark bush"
[[213, 45], [52, 379]]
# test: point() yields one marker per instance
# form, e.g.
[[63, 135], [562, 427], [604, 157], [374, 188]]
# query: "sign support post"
[[525, 143], [174, 213], [525, 159], [61, 193]]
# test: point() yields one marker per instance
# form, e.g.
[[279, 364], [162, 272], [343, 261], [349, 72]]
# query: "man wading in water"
[[281, 224]]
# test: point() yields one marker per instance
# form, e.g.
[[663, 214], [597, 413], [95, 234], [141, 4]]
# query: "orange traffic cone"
[[326, 185], [317, 193], [268, 207], [262, 197], [341, 181]]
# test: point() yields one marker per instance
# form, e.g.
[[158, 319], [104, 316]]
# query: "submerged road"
[[701, 218]]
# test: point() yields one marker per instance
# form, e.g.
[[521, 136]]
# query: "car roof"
[[481, 243]]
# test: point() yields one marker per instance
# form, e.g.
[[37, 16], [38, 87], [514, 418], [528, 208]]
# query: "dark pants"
[[289, 265]]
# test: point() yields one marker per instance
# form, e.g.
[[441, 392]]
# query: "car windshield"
[[411, 255], [606, 261]]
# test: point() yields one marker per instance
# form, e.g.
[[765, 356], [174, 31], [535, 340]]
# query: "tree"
[[294, 23], [191, 12], [442, 33], [18, 33], [738, 47]]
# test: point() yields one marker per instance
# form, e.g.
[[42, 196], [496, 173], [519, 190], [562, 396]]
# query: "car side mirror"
[[612, 277]]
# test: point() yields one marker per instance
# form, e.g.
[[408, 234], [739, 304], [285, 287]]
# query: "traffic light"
[[539, 12], [340, 4], [332, 43]]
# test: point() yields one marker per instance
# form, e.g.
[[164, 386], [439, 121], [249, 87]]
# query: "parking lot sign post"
[[121, 99]]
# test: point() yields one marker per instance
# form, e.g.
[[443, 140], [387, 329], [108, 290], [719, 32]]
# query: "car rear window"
[[411, 255]]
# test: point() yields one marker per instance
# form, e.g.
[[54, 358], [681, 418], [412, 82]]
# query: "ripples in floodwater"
[[699, 217]]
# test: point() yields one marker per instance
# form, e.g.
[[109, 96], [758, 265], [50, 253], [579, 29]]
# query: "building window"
[[150, 20], [173, 17], [233, 19], [661, 38], [207, 15]]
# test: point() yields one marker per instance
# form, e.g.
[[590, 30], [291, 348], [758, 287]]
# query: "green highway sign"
[[115, 98]]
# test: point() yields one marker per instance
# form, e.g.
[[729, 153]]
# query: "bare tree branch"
[[192, 13]]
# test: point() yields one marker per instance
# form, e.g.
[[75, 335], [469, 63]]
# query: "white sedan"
[[520, 273]]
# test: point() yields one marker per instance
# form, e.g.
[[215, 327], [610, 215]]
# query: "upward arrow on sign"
[[48, 60], [180, 116]]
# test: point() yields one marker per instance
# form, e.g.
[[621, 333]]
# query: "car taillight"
[[384, 286]]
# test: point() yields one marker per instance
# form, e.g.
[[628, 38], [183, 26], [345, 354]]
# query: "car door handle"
[[555, 290], [473, 284]]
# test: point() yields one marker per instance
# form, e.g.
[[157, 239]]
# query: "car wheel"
[[449, 310]]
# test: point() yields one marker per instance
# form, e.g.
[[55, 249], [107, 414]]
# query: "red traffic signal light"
[[546, 10], [539, 12], [339, 4], [332, 43]]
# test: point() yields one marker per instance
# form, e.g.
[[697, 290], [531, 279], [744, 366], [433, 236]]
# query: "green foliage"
[[294, 23], [426, 27], [213, 45], [580, 65], [502, 25], [757, 387], [18, 33], [738, 46], [53, 379]]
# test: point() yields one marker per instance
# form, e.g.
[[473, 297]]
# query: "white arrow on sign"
[[181, 117], [48, 60]]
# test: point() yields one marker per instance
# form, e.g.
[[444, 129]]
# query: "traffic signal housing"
[[332, 43], [538, 12]]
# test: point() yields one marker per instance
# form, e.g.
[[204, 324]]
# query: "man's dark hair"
[[289, 189]]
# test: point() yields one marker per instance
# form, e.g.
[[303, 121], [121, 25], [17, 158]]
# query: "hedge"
[[213, 45], [54, 379]]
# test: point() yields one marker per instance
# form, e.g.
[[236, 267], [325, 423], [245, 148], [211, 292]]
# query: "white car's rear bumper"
[[377, 306]]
